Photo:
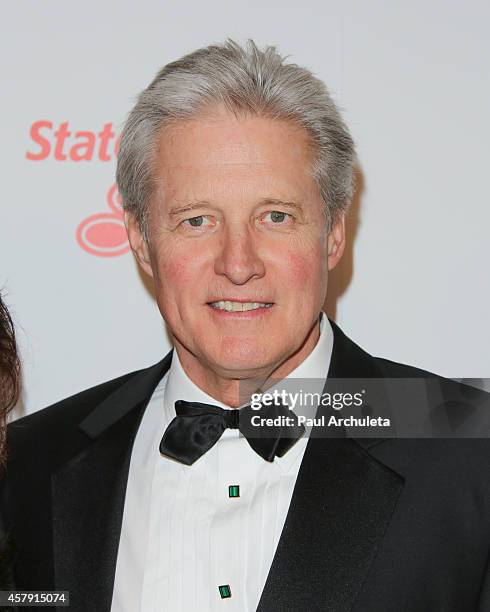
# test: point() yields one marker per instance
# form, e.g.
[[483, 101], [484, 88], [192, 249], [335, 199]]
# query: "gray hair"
[[244, 80]]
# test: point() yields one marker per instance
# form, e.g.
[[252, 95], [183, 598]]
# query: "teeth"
[[239, 306]]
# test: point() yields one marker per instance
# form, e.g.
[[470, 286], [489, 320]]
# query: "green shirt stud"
[[234, 491], [224, 591]]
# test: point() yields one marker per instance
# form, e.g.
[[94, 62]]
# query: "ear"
[[336, 242], [138, 243]]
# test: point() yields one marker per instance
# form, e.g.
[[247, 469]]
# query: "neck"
[[235, 388]]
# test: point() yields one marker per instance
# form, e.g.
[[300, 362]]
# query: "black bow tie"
[[197, 427]]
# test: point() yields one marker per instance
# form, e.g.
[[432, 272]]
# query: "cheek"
[[295, 267], [174, 272], [304, 270], [181, 271]]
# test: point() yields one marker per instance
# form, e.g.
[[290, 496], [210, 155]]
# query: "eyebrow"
[[188, 207], [264, 202], [275, 202]]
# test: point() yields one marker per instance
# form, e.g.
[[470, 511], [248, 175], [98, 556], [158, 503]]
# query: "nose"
[[237, 258]]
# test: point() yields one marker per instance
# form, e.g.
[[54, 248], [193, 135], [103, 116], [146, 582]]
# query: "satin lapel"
[[88, 496], [88, 502], [340, 509]]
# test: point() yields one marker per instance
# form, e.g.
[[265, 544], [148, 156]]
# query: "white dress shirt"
[[182, 535]]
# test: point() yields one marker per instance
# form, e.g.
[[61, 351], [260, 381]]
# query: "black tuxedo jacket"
[[373, 526]]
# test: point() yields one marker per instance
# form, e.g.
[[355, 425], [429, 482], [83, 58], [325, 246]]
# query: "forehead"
[[219, 142]]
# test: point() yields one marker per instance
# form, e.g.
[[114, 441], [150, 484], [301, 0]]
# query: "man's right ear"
[[138, 244]]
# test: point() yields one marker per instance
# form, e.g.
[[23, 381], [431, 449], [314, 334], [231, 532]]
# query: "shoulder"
[[454, 418], [393, 369], [53, 434], [349, 360], [46, 439], [73, 407], [455, 449], [68, 411], [450, 390], [42, 441]]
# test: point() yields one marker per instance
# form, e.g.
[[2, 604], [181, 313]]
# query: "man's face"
[[237, 218]]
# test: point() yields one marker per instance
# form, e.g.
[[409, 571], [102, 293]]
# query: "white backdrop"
[[412, 79]]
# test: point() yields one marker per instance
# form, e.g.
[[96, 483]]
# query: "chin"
[[241, 356]]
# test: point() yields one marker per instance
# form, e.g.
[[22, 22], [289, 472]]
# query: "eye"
[[278, 217], [195, 221]]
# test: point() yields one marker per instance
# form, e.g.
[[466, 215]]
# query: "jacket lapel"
[[341, 506], [88, 494]]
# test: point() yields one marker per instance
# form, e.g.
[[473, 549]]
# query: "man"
[[235, 170]]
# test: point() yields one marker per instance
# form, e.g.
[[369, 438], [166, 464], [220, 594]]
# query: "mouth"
[[235, 306]]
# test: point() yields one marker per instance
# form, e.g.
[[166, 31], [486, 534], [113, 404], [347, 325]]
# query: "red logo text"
[[63, 143]]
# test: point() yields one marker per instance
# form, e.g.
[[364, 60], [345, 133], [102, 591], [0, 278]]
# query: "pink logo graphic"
[[104, 234]]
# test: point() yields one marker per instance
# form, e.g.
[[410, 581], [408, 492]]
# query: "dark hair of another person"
[[9, 373]]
